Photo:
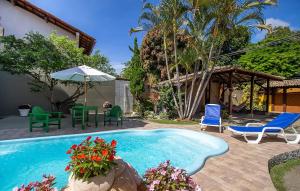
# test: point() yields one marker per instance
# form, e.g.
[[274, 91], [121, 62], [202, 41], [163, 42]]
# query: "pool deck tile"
[[242, 168]]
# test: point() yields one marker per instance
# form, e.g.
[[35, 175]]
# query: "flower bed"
[[167, 177], [46, 184]]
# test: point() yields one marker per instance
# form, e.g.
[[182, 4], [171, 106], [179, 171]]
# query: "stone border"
[[282, 158]]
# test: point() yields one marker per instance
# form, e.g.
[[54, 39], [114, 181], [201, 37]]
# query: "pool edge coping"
[[3, 142]]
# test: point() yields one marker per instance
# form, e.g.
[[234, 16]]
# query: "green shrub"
[[163, 115]]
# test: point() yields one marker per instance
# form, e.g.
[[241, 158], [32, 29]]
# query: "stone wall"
[[282, 158]]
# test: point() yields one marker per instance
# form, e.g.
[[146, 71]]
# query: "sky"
[[109, 22]]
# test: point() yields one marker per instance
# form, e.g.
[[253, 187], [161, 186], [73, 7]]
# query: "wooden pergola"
[[232, 75]]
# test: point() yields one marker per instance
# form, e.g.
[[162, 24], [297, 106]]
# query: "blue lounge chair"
[[212, 116], [274, 127]]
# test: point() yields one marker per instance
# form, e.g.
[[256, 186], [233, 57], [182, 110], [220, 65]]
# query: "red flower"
[[74, 147], [111, 157], [88, 138], [81, 156], [69, 151], [67, 168], [82, 170], [113, 143], [104, 152], [73, 157], [96, 158], [98, 140]]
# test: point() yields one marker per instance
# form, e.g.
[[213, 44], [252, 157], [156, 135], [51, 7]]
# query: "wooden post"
[[209, 90], [207, 93], [268, 94], [273, 91], [230, 94], [284, 99], [251, 95]]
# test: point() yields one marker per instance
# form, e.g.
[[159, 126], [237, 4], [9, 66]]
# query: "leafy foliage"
[[238, 39], [208, 25], [166, 101], [37, 57], [91, 158], [135, 72], [257, 102], [152, 52], [279, 58]]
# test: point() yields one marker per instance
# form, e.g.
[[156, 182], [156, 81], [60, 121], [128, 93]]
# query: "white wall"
[[123, 97], [15, 90], [17, 21]]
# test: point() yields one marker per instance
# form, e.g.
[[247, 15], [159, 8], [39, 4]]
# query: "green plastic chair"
[[114, 114], [38, 118], [77, 115]]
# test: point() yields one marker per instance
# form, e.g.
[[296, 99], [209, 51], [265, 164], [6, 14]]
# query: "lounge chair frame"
[[203, 125], [262, 133]]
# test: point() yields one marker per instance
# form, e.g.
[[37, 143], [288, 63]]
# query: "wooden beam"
[[209, 90], [268, 94], [284, 100], [230, 94], [251, 94]]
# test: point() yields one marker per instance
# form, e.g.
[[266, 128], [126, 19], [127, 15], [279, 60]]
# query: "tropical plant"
[[167, 177], [134, 71], [37, 57], [277, 54], [47, 184], [91, 158], [166, 101], [209, 24]]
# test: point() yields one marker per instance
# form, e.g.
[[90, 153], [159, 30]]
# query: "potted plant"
[[167, 177], [107, 105], [91, 165], [24, 110]]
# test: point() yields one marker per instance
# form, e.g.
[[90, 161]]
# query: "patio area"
[[243, 167]]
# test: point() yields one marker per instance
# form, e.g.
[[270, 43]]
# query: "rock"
[[127, 179]]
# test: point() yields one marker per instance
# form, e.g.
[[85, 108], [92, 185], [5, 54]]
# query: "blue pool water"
[[27, 160]]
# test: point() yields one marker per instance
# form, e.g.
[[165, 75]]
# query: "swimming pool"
[[26, 160]]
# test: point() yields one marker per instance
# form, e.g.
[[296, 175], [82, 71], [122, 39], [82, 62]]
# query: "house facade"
[[285, 96], [19, 17]]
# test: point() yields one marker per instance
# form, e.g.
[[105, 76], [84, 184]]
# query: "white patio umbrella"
[[82, 74]]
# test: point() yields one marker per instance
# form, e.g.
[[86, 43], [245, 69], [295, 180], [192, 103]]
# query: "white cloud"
[[277, 22], [260, 35]]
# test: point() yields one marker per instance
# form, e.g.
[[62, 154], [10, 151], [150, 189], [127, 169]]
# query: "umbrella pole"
[[85, 91]]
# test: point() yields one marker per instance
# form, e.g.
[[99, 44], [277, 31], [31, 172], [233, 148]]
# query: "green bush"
[[163, 115], [150, 115], [140, 107]]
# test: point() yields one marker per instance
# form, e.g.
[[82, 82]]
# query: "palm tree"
[[208, 23], [152, 17]]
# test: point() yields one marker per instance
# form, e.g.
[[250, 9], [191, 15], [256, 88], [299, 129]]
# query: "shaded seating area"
[[275, 127], [115, 114], [229, 76], [80, 113], [38, 118]]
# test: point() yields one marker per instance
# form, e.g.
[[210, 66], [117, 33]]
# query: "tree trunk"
[[177, 71], [169, 76]]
